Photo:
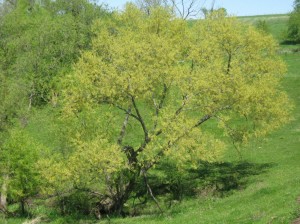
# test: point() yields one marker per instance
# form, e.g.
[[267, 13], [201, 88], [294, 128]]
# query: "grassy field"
[[277, 24], [268, 175]]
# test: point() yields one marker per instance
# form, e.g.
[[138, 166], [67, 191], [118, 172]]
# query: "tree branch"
[[190, 9], [141, 120], [150, 190], [122, 132], [184, 98], [229, 62], [231, 136], [202, 120], [161, 102], [121, 108], [170, 144]]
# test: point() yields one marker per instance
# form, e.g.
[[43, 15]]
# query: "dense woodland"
[[105, 113]]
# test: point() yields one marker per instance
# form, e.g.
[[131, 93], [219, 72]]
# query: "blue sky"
[[238, 7]]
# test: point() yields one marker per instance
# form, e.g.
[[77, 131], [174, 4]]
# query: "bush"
[[262, 25]]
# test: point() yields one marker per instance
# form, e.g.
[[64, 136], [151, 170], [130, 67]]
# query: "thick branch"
[[137, 116], [141, 120]]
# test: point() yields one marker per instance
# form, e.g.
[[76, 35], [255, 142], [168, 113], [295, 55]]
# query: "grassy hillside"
[[263, 185], [277, 24]]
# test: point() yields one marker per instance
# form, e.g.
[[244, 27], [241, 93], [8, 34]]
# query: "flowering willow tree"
[[155, 88]]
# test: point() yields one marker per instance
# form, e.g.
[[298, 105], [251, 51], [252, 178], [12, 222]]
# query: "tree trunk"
[[115, 202], [3, 195], [22, 204]]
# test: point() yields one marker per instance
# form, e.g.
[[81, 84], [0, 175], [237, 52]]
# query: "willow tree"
[[157, 89]]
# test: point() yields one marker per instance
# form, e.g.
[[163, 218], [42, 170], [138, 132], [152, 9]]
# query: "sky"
[[237, 7]]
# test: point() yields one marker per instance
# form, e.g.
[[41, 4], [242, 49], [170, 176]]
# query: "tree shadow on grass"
[[210, 179], [219, 179], [289, 42]]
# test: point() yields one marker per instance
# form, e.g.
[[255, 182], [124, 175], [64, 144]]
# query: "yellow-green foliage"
[[169, 80], [19, 155], [90, 163]]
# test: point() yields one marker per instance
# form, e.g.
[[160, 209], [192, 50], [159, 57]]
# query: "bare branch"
[[186, 9], [190, 9]]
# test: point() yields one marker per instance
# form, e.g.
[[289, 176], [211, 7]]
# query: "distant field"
[[276, 23], [270, 17]]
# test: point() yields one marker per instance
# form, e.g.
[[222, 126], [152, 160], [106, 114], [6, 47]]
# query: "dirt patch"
[[37, 220], [297, 221], [33, 221]]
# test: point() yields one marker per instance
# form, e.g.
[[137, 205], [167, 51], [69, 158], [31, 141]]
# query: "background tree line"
[[39, 42]]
